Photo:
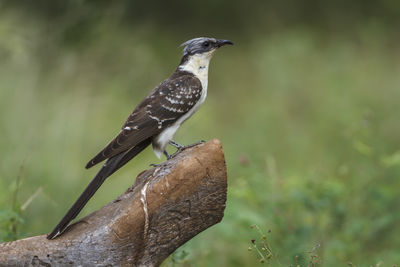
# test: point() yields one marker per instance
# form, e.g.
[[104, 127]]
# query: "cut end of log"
[[167, 205]]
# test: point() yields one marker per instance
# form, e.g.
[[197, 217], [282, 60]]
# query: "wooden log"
[[167, 206]]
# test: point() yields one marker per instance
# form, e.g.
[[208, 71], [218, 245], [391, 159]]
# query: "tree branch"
[[167, 206]]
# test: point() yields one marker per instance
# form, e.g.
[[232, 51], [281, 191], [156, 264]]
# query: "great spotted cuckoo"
[[155, 120]]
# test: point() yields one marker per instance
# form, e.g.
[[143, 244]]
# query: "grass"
[[309, 123]]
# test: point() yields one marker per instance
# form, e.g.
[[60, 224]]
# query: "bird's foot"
[[154, 165], [166, 154], [180, 148], [195, 144]]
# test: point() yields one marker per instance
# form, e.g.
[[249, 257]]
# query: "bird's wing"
[[162, 107]]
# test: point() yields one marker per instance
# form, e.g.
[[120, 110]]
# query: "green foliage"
[[308, 117], [177, 258], [10, 213], [9, 221], [265, 255], [262, 247]]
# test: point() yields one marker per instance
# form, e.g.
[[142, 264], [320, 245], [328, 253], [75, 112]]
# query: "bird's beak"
[[223, 42]]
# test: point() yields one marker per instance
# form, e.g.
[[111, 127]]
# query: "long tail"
[[108, 168]]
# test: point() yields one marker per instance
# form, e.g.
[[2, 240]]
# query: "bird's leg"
[[176, 145], [180, 148], [167, 155]]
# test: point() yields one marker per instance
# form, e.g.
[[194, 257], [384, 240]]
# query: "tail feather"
[[112, 165]]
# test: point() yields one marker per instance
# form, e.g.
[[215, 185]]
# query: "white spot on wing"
[[172, 101], [169, 108]]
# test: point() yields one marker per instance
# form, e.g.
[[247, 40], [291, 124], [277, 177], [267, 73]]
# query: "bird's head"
[[202, 48], [203, 45]]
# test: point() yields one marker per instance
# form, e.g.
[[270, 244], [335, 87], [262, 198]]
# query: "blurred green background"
[[306, 104]]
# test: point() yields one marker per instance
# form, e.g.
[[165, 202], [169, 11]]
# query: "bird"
[[155, 120]]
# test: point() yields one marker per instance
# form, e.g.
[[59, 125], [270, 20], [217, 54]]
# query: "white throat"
[[198, 65]]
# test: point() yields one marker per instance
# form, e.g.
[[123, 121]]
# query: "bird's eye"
[[206, 44]]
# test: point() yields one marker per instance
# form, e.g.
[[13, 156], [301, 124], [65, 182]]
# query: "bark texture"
[[167, 206]]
